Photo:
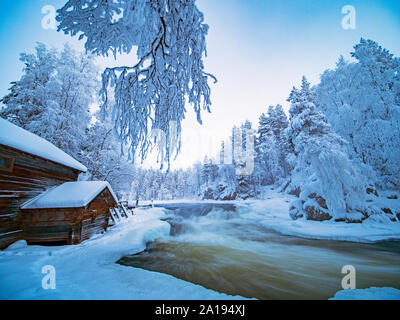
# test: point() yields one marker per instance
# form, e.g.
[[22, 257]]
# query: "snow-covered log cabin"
[[32, 170], [69, 213]]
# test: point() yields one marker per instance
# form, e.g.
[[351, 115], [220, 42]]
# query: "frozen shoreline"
[[89, 270], [373, 293], [273, 212]]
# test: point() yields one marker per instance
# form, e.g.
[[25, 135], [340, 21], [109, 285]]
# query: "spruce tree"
[[331, 185]]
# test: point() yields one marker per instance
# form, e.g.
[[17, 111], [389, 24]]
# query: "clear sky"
[[258, 49]]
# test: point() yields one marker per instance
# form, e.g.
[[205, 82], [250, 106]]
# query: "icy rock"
[[316, 214], [378, 219], [229, 197], [387, 211], [208, 194], [320, 200], [390, 214], [295, 192], [225, 193], [296, 210], [371, 190], [356, 217]]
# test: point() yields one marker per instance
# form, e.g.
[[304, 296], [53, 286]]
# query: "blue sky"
[[258, 49]]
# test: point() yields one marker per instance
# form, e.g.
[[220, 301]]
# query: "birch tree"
[[170, 42]]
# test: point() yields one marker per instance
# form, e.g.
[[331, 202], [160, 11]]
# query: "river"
[[221, 248]]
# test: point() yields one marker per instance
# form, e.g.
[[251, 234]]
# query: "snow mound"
[[17, 245], [372, 293]]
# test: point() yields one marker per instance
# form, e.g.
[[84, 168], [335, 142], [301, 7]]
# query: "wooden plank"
[[115, 214], [118, 213], [112, 216], [9, 237], [124, 210]]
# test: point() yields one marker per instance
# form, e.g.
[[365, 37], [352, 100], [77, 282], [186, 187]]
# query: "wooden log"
[[29, 177], [9, 237]]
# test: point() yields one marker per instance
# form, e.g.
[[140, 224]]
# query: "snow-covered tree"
[[263, 151], [246, 182], [53, 96], [152, 184], [209, 171], [279, 123], [271, 146], [234, 176], [330, 184], [361, 102], [170, 40], [52, 99], [101, 154]]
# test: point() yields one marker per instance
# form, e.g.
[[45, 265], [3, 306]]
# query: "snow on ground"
[[372, 293], [273, 213], [89, 271], [161, 202]]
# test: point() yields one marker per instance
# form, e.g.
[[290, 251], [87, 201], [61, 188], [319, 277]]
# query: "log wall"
[[29, 177], [95, 217], [69, 225]]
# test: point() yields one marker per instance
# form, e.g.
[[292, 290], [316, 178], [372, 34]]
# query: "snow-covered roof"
[[69, 195], [21, 139]]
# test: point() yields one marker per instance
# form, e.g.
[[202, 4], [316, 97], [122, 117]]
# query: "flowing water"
[[221, 248]]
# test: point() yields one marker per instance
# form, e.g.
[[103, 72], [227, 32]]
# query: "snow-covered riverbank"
[[89, 271], [372, 293], [273, 213]]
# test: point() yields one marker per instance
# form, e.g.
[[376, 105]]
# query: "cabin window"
[[6, 164]]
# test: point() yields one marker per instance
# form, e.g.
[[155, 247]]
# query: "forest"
[[338, 143], [105, 192]]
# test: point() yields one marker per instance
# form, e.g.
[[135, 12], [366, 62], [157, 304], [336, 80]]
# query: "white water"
[[225, 249]]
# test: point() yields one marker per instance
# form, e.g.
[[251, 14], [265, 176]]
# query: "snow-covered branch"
[[170, 41]]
